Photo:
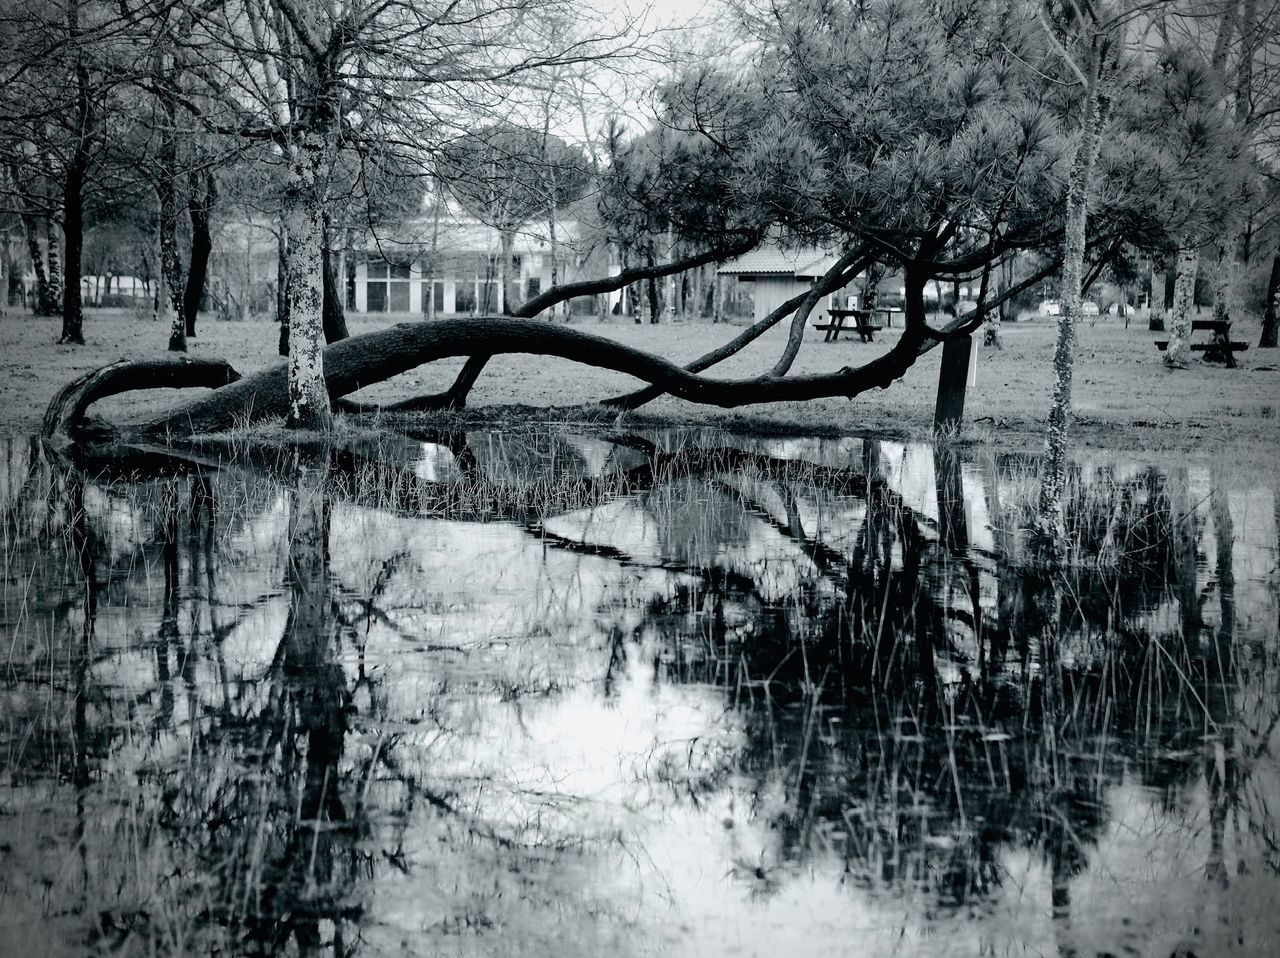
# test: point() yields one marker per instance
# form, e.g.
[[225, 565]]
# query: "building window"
[[400, 272], [488, 297], [377, 297], [532, 287], [399, 297], [464, 298], [377, 270]]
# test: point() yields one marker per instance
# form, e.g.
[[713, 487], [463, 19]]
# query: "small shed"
[[778, 274]]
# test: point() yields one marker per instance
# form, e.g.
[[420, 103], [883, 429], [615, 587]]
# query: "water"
[[681, 695]]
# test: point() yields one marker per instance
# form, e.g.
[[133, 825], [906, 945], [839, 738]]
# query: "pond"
[[666, 694]]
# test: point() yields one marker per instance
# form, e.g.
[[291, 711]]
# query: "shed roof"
[[775, 261]]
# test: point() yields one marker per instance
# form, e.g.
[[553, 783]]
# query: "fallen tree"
[[360, 361]]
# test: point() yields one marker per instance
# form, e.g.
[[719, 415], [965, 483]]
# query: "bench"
[[862, 325], [1220, 348]]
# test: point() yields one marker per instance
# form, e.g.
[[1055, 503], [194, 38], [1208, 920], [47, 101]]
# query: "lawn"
[[1125, 399]]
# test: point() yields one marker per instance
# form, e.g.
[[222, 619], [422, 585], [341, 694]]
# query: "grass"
[[1125, 399]]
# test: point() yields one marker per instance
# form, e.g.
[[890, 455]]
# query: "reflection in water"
[[497, 694]]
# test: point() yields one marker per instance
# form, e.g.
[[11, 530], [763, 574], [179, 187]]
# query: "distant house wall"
[[772, 291], [461, 284]]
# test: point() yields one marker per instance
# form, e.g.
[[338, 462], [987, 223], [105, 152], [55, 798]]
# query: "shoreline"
[[1125, 401]]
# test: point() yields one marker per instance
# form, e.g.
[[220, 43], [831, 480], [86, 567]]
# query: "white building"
[[453, 265], [779, 274]]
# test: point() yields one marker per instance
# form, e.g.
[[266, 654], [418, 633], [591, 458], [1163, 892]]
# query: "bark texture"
[[1178, 355], [992, 333], [373, 357], [304, 223], [200, 204], [282, 289], [1271, 316], [73, 234], [1053, 475], [172, 303], [77, 170], [363, 360], [335, 317], [66, 411], [46, 304], [1226, 293]]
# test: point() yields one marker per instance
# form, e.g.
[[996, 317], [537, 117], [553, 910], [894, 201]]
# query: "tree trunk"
[[45, 304], [510, 274], [1271, 317], [67, 409], [1178, 354], [553, 237], [360, 361], [1168, 273], [73, 201], [73, 231], [198, 209], [697, 293], [433, 263], [871, 286], [171, 299], [363, 360], [1053, 477], [1226, 306], [672, 302], [1226, 300], [335, 318], [57, 301], [652, 287], [282, 288], [992, 333], [303, 214]]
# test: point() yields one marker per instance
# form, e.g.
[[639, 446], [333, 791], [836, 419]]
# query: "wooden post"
[[952, 379]]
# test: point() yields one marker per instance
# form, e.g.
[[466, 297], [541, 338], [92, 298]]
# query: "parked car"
[[1088, 308], [1050, 307]]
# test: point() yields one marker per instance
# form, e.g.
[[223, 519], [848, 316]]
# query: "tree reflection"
[[910, 697], [937, 751]]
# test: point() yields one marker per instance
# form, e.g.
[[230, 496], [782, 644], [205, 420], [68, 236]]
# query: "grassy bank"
[[1124, 397]]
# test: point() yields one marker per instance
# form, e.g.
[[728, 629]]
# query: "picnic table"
[[1220, 348], [838, 324], [888, 313]]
